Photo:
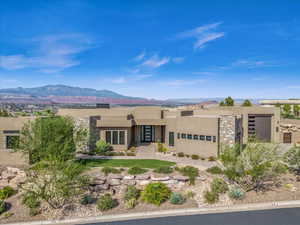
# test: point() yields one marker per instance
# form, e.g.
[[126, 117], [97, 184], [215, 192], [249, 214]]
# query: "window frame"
[[202, 137], [207, 137], [171, 138]]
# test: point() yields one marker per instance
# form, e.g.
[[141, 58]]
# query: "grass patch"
[[143, 163]]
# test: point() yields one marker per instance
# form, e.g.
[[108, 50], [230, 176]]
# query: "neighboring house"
[[198, 131]]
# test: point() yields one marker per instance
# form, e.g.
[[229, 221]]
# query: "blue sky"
[[154, 49]]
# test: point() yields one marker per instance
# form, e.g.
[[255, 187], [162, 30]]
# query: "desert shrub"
[[164, 169], [236, 193], [3, 206], [187, 155], [121, 153], [7, 192], [156, 193], [102, 147], [136, 170], [131, 193], [31, 201], [212, 158], [191, 172], [177, 198], [292, 158], [219, 186], [215, 170], [195, 157], [107, 170], [131, 203], [180, 154], [106, 202], [86, 200], [190, 194], [211, 197], [130, 154], [161, 148]]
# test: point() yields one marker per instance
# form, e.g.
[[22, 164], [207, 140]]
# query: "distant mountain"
[[62, 90]]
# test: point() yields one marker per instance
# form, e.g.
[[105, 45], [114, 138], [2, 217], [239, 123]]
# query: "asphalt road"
[[286, 216]]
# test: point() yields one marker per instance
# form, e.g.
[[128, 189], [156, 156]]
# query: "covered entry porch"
[[145, 134]]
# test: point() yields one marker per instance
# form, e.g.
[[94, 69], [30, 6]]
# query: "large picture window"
[[115, 137]]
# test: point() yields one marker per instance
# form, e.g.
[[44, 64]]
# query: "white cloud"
[[178, 59], [177, 83], [119, 80], [140, 56], [250, 63], [155, 61], [51, 53], [202, 34]]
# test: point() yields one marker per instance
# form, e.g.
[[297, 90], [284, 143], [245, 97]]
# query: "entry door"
[[287, 138], [147, 133]]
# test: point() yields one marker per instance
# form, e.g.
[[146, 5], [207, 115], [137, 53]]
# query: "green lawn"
[[143, 163]]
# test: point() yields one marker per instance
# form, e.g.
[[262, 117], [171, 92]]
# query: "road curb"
[[164, 213]]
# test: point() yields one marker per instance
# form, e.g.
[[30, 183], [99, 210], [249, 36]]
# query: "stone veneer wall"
[[83, 123], [227, 130]]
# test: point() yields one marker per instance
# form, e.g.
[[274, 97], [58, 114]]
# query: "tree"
[[256, 164], [296, 110], [247, 103], [222, 103], [50, 138], [227, 102], [286, 110]]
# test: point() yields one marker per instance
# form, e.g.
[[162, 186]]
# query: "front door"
[[287, 138], [147, 133]]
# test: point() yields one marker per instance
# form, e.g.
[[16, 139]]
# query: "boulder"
[[96, 181], [101, 187], [202, 178], [144, 182], [115, 182], [129, 182], [129, 177], [170, 182], [101, 178], [8, 175], [181, 178], [142, 177], [116, 176], [160, 178]]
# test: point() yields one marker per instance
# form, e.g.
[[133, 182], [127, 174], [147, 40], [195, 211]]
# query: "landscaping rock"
[[144, 182], [170, 182], [101, 178], [96, 181], [202, 178], [115, 182], [116, 176], [160, 178], [129, 177], [101, 187], [142, 177], [181, 178], [129, 182]]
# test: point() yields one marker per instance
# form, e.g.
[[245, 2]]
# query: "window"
[[196, 137], [12, 141], [183, 136], [187, 113], [189, 136], [122, 137], [214, 139], [108, 137], [115, 137], [171, 138], [208, 138], [178, 135], [11, 132], [202, 137]]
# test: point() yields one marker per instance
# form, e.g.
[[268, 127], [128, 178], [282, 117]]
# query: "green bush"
[[187, 155], [3, 206], [156, 193], [195, 157], [191, 172], [131, 203], [212, 158], [107, 170], [180, 154], [106, 202], [161, 148], [86, 200], [177, 198], [164, 169], [136, 170], [103, 147], [211, 197], [130, 154], [219, 186], [236, 193], [131, 193], [31, 202], [7, 192], [215, 170]]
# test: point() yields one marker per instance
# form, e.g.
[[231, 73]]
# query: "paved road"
[[287, 216]]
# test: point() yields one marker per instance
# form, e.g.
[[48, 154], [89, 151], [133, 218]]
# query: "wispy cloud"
[[202, 34], [155, 61], [250, 63], [177, 83], [51, 53], [140, 56]]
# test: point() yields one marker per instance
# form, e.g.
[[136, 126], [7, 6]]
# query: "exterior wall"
[[207, 126], [290, 126], [227, 130]]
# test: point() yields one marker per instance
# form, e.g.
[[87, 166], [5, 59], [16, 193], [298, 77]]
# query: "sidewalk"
[[168, 213]]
